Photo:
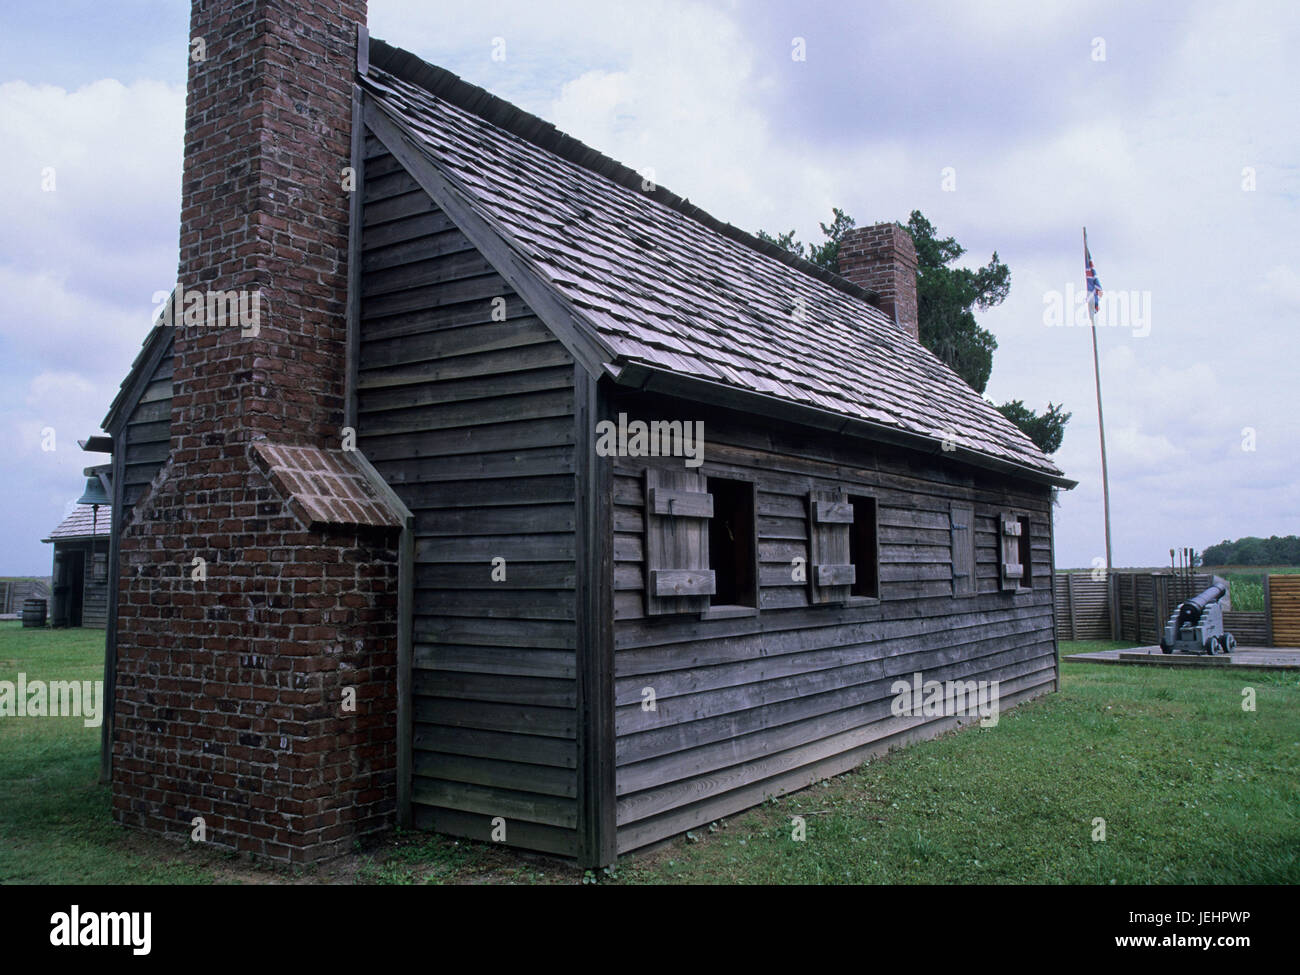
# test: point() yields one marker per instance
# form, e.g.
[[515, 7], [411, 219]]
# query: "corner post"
[[597, 819]]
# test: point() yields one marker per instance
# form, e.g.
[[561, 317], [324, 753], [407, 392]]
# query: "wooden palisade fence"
[[1282, 609], [14, 592], [1134, 606], [1082, 607]]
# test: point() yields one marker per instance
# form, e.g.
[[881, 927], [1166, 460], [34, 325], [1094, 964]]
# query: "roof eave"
[[154, 347], [638, 375]]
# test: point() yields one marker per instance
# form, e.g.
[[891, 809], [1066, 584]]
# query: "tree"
[[784, 241], [1218, 554], [1255, 551], [1047, 431], [946, 299], [945, 296], [825, 255]]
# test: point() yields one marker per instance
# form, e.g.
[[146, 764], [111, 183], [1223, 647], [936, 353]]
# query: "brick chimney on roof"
[[882, 258], [268, 121], [258, 573]]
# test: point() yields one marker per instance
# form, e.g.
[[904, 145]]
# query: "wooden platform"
[[1248, 658]]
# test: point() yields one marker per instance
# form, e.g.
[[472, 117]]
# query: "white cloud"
[[1282, 283], [79, 263], [78, 267]]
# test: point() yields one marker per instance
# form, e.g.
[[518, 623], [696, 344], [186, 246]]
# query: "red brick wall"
[[268, 122], [229, 701], [883, 258]]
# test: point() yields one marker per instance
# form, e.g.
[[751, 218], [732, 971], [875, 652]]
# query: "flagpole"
[[1101, 423]]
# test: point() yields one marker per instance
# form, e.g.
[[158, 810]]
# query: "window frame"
[[735, 610], [827, 515], [99, 565], [861, 598]]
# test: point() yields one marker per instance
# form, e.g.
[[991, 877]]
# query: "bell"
[[95, 493]]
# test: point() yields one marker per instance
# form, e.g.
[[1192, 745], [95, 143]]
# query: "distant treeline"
[[1254, 551]]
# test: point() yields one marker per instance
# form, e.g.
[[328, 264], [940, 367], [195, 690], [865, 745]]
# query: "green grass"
[[55, 825], [1193, 790]]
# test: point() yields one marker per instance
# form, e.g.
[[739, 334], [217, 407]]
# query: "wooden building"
[[80, 584], [138, 424], [611, 633]]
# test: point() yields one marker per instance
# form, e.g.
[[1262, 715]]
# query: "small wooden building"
[[833, 443], [682, 507], [80, 586]]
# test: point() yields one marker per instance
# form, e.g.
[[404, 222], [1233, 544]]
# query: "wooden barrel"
[[33, 612]]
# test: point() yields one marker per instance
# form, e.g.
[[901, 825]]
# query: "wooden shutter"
[[830, 569], [678, 507], [1009, 535], [963, 549]]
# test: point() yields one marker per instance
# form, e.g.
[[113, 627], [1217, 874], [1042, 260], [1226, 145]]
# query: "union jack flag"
[[1094, 282]]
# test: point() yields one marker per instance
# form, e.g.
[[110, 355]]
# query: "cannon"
[[1197, 625]]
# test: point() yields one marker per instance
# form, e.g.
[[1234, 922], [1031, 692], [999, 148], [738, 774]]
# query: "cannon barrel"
[[1191, 609], [1213, 594]]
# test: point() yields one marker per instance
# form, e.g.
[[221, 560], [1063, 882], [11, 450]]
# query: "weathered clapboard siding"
[[139, 421], [146, 434], [94, 599], [93, 592], [750, 706], [465, 405]]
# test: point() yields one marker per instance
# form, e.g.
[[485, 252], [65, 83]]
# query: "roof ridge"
[[469, 97]]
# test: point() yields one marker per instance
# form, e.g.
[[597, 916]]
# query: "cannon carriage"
[[1197, 625]]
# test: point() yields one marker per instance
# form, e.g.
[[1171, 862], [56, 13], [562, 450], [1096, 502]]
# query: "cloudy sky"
[[1169, 129]]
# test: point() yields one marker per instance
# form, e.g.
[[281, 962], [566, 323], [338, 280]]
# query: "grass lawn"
[[1192, 789], [55, 825]]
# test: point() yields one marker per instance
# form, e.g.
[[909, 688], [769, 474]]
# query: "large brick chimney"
[[883, 258], [234, 672]]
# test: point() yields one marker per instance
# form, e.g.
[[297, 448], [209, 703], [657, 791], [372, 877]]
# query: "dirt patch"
[[393, 858]]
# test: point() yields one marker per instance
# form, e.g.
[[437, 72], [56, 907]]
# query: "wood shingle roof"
[[657, 283], [84, 522]]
